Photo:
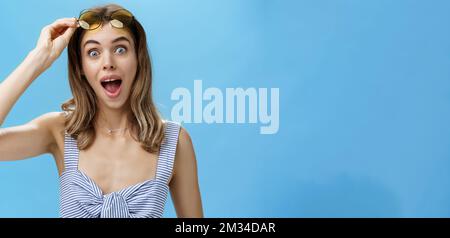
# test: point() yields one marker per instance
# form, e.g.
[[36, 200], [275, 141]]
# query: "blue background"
[[364, 103]]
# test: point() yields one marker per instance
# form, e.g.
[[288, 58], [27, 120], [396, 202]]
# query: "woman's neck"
[[111, 121]]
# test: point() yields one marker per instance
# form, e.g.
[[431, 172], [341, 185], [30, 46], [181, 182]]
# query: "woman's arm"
[[52, 41], [184, 186], [31, 139], [35, 137], [19, 80]]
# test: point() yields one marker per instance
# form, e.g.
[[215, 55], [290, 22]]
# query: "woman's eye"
[[121, 50], [93, 53]]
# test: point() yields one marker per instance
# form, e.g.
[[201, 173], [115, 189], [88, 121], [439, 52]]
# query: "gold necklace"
[[110, 131]]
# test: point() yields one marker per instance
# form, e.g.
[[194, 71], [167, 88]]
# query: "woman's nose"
[[108, 63], [108, 66]]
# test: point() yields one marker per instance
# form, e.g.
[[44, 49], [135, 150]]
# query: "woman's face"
[[109, 63]]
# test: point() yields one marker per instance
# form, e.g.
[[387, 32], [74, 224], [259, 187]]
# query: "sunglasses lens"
[[89, 20], [121, 18], [116, 23]]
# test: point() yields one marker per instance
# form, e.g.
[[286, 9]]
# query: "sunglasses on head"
[[90, 20]]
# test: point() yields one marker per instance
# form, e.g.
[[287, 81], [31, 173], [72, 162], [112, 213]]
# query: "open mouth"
[[112, 86]]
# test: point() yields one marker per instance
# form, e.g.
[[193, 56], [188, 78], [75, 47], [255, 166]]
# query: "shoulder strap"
[[167, 151], [70, 152]]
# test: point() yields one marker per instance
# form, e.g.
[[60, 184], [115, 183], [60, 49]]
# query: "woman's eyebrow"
[[121, 38]]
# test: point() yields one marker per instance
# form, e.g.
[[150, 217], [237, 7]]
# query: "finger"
[[62, 41], [55, 33], [68, 34], [55, 29], [63, 21], [60, 24]]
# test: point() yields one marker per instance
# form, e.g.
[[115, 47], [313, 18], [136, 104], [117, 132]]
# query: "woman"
[[115, 156]]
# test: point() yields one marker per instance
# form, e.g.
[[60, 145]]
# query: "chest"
[[114, 165]]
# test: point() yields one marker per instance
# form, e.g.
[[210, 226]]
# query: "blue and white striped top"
[[81, 197]]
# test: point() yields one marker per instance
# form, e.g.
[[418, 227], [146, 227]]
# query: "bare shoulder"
[[53, 117], [185, 147], [53, 121], [184, 139], [185, 154], [184, 187]]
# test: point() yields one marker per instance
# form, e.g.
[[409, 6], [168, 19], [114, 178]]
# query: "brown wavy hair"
[[146, 125]]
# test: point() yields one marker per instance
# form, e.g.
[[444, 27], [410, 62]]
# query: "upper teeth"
[[109, 80]]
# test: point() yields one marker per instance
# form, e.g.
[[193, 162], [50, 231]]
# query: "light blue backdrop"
[[364, 103]]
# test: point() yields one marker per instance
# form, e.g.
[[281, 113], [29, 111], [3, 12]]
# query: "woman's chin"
[[117, 103]]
